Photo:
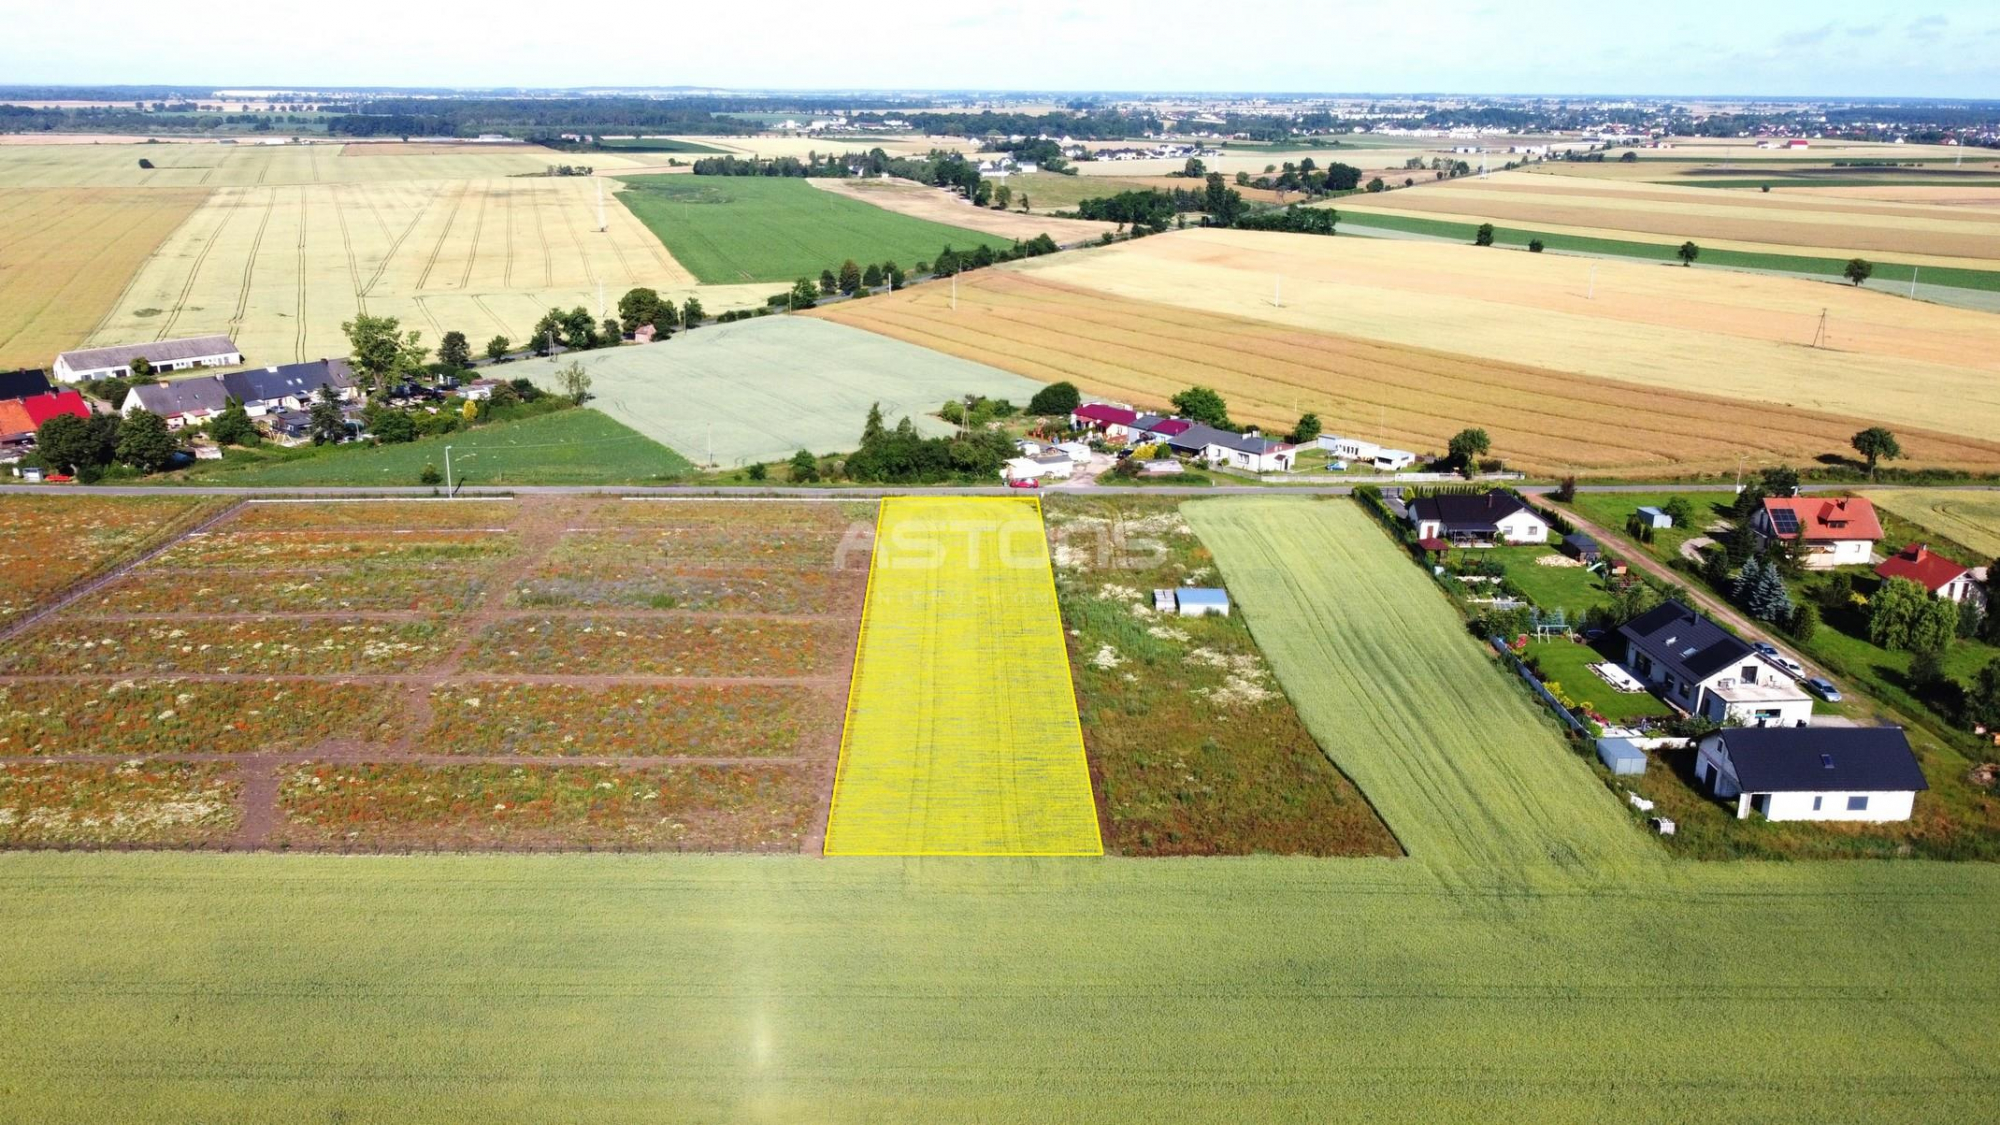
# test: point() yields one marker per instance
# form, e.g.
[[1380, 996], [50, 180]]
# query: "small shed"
[[1653, 517], [1199, 601], [1621, 756], [1074, 450], [1163, 601], [1582, 548]]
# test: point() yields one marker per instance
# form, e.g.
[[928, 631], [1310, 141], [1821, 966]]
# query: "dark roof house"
[[24, 383], [1822, 759], [1467, 513], [1684, 642]]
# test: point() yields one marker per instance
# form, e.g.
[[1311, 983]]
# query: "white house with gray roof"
[[86, 364]]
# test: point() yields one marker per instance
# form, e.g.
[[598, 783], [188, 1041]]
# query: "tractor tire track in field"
[[250, 264], [589, 274], [194, 271], [423, 306], [507, 248], [437, 248], [347, 243], [542, 236], [51, 297], [490, 314], [395, 244], [472, 249], [299, 338]]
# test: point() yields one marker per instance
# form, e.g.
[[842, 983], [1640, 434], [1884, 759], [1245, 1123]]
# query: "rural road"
[[1537, 491]]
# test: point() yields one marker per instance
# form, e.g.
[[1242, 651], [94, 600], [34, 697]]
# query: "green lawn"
[[659, 144], [566, 447], [733, 229], [1568, 663], [1610, 510], [1988, 280], [1573, 589]]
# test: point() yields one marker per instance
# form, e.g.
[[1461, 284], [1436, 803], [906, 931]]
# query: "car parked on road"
[[1824, 689]]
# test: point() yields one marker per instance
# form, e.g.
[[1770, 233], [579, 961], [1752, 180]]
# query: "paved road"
[[861, 493]]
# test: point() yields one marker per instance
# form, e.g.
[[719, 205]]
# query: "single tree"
[[639, 306], [872, 430], [142, 368], [454, 352], [145, 443], [1484, 235], [1194, 169], [1804, 623], [1926, 668], [1535, 246], [1467, 446], [828, 284], [1876, 444], [896, 277], [324, 421], [233, 425], [430, 476], [391, 426], [804, 294], [692, 313], [1002, 197], [872, 276], [1054, 399], [804, 469], [574, 381], [1858, 270], [1307, 430], [1688, 253], [579, 329], [1836, 593], [381, 352], [1680, 510], [1200, 404], [665, 318], [496, 348], [611, 331], [1376, 186], [66, 444], [850, 277], [1982, 700]]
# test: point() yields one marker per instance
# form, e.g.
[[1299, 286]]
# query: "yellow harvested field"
[[1935, 195], [1970, 517], [906, 197], [1409, 342], [962, 735], [66, 254], [1733, 335], [776, 145], [1790, 223], [279, 268], [244, 165], [448, 148]]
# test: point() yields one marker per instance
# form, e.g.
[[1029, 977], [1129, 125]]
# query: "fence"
[[1569, 720]]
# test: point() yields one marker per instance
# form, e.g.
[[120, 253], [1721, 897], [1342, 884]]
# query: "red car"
[[1030, 483]]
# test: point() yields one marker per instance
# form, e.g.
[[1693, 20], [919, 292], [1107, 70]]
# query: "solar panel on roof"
[[1785, 520]]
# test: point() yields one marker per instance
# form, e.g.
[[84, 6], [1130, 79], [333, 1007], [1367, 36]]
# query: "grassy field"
[[761, 390], [567, 447], [1193, 747], [737, 229], [962, 736], [1357, 341], [1573, 589], [1644, 325], [1459, 762], [1567, 664], [1969, 518], [273, 988], [65, 256]]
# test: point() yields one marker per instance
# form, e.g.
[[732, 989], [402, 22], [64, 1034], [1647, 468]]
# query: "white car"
[[1787, 665]]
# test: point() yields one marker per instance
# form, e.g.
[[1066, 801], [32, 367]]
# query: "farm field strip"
[[66, 255], [1969, 517], [281, 267], [1968, 239], [1460, 764], [247, 165], [1647, 325], [1413, 396], [325, 641], [733, 392], [52, 542], [921, 201], [962, 736], [730, 230]]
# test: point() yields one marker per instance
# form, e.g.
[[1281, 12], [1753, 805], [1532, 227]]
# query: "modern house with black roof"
[[25, 383], [1812, 773], [1703, 669], [1477, 519]]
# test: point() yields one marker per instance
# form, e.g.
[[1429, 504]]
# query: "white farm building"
[[165, 356]]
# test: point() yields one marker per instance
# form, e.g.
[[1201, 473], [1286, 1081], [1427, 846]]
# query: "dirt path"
[[1708, 603]]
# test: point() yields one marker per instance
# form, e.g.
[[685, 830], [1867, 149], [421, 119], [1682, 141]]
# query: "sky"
[[1827, 48]]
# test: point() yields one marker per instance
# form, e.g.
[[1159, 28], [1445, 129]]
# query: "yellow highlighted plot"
[[962, 735]]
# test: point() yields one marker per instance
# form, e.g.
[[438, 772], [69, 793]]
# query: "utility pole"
[[1592, 295], [1819, 336], [1913, 283], [954, 292], [602, 226], [447, 472], [1278, 291]]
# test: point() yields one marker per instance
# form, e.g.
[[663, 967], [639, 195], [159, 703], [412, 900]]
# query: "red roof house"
[[1114, 421], [14, 421], [1941, 576], [41, 408], [1837, 530]]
